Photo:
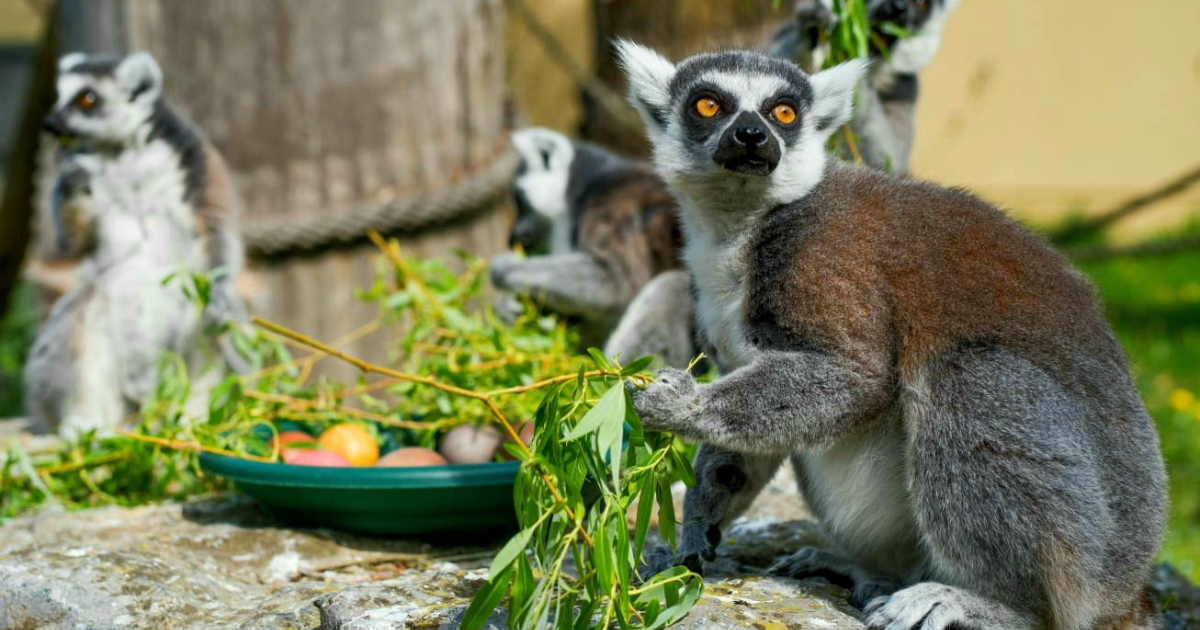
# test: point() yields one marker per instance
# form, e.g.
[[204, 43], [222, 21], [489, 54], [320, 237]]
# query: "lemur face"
[[540, 188], [738, 123], [104, 100]]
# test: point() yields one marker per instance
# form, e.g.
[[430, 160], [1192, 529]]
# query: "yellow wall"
[[20, 22], [1041, 104]]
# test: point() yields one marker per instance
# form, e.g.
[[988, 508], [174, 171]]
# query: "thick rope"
[[280, 236]]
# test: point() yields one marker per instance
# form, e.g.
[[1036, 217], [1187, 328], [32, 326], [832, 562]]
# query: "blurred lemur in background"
[[599, 228], [140, 195], [959, 415], [883, 118]]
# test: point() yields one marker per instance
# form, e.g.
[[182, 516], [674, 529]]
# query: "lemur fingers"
[[934, 606]]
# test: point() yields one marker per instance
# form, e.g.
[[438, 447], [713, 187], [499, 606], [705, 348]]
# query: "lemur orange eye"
[[86, 100], [707, 107], [785, 114]]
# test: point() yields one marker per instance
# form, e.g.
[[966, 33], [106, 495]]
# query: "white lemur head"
[[738, 129], [540, 188], [103, 100], [923, 19]]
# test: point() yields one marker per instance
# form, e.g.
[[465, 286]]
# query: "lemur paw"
[[660, 559], [507, 307], [667, 404], [811, 562], [501, 267], [815, 17], [930, 606]]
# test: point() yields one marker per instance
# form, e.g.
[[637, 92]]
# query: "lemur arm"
[[216, 217], [569, 284], [780, 402], [883, 122]]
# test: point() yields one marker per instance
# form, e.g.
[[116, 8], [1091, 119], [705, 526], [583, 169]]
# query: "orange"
[[352, 442]]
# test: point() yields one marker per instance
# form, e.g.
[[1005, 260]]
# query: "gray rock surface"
[[219, 563]]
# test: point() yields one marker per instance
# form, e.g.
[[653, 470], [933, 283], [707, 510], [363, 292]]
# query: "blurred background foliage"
[[1049, 121]]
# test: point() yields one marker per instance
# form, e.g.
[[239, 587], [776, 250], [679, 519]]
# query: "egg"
[[411, 456], [470, 444]]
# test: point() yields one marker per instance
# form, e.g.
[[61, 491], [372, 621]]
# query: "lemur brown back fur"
[[900, 276], [631, 227]]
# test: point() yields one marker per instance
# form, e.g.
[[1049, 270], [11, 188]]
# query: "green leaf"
[[683, 467], [509, 552], [611, 404], [520, 598], [637, 365], [644, 511], [485, 601], [608, 437], [599, 358], [666, 512]]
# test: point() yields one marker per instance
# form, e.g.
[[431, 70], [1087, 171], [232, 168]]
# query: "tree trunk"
[[320, 106], [677, 29]]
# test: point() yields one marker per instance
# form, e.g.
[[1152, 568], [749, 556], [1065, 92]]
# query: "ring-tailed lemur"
[[142, 195], [882, 128], [883, 118], [606, 226], [959, 414]]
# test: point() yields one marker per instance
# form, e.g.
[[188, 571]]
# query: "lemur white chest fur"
[[142, 215], [718, 268]]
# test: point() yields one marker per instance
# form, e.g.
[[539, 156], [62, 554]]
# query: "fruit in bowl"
[[410, 456], [352, 442]]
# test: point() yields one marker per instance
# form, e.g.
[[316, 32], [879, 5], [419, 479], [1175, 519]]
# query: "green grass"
[[17, 329], [1154, 307]]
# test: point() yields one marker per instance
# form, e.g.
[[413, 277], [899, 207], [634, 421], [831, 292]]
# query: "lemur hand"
[[670, 403], [501, 267], [814, 16]]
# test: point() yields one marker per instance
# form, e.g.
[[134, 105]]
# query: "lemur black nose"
[[752, 136]]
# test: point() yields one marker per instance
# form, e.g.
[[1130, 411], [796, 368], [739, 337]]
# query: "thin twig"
[[1163, 191], [189, 446], [1142, 250]]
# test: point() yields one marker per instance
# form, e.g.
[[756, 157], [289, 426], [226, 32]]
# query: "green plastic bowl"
[[385, 500]]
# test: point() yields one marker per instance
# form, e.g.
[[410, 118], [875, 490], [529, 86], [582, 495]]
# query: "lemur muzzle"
[[747, 147]]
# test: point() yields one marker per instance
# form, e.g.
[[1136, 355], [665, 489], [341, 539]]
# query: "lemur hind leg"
[[1007, 494], [726, 484], [657, 322]]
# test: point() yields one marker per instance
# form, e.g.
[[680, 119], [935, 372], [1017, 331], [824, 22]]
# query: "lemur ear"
[[833, 94], [650, 77], [140, 75], [69, 61]]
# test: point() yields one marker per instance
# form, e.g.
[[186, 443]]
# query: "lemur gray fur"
[[883, 119], [960, 417], [604, 226], [141, 195]]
